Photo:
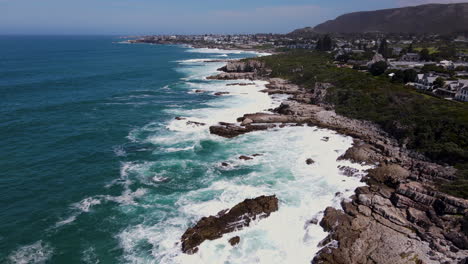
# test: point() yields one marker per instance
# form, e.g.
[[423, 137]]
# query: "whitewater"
[[185, 181]]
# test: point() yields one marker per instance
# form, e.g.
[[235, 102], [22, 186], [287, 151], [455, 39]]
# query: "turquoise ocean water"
[[96, 169]]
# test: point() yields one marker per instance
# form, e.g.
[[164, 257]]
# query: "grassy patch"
[[432, 50]]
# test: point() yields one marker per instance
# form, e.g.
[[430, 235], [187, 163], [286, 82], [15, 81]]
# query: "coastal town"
[[432, 64]]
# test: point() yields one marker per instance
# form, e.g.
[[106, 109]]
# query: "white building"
[[462, 93]]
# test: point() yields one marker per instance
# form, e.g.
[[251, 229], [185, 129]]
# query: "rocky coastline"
[[399, 217]]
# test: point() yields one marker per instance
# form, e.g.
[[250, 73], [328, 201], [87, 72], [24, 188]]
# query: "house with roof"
[[447, 64], [425, 81], [410, 57], [462, 92]]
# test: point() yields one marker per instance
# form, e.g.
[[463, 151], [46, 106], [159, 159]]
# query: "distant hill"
[[430, 18]]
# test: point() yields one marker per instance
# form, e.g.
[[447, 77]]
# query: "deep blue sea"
[[94, 167]]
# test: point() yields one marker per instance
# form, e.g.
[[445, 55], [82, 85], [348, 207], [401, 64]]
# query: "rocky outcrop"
[[193, 123], [262, 118], [236, 70], [232, 130], [220, 93], [399, 217], [213, 227], [234, 241], [233, 76], [243, 66]]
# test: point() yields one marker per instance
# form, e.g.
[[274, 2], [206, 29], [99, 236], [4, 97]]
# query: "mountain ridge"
[[428, 18]]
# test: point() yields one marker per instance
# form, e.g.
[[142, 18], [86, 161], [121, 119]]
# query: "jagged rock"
[[389, 174], [220, 93], [240, 84], [224, 164], [234, 241], [195, 123], [246, 121], [213, 227], [199, 91], [243, 66], [272, 118], [416, 192], [313, 221], [233, 76], [361, 153], [230, 131], [361, 239], [458, 239], [319, 93], [180, 118], [245, 157], [310, 161], [348, 171], [391, 220]]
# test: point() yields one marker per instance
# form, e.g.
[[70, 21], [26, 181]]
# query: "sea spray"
[[287, 236]]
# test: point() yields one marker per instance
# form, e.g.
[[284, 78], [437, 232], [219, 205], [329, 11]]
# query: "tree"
[[424, 54], [439, 82], [343, 58], [409, 75], [383, 48], [325, 43], [378, 68], [319, 44], [410, 48], [398, 77]]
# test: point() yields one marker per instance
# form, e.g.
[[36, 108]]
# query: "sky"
[[136, 17]]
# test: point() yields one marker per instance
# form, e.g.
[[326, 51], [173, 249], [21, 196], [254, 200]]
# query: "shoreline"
[[313, 146], [204, 46], [396, 198]]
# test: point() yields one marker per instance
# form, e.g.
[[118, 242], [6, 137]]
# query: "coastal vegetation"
[[432, 126]]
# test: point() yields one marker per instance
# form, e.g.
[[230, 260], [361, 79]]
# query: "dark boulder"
[[230, 131], [195, 123], [236, 218], [220, 93], [234, 241]]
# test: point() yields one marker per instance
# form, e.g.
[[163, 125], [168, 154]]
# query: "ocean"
[[95, 167]]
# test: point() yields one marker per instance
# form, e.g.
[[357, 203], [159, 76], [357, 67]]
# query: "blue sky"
[[177, 16]]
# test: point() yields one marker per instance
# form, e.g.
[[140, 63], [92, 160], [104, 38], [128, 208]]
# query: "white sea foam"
[[242, 99], [127, 197], [89, 256], [226, 52], [180, 149], [86, 204], [217, 51], [36, 253], [189, 61], [119, 151], [66, 221], [304, 190]]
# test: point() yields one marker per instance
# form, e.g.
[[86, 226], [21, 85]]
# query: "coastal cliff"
[[400, 216]]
